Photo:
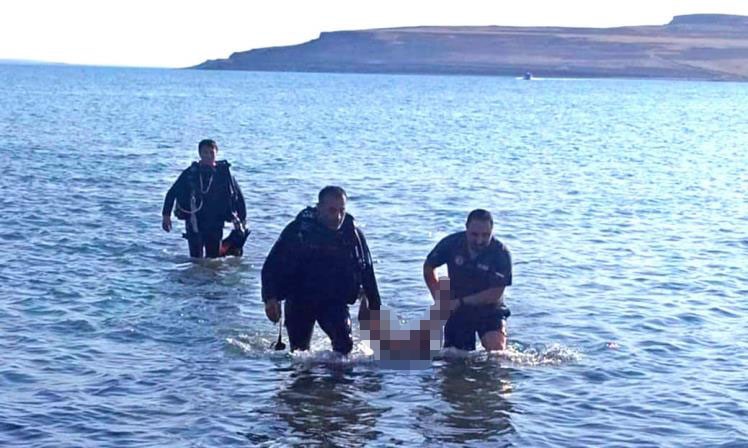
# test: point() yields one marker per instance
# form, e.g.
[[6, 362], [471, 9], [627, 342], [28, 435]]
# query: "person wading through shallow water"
[[319, 265], [206, 196], [480, 268]]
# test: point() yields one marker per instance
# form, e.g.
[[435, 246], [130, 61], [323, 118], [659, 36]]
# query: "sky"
[[181, 33]]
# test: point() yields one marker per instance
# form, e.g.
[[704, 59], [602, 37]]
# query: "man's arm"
[[437, 257], [488, 296], [368, 279], [240, 206], [429, 276], [494, 294], [280, 262], [171, 196], [498, 281]]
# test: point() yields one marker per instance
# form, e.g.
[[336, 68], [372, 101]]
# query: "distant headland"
[[698, 46], [27, 62]]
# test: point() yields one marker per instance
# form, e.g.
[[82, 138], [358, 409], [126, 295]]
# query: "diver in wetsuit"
[[206, 196], [319, 266]]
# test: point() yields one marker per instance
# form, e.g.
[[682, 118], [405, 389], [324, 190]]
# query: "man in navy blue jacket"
[[479, 267]]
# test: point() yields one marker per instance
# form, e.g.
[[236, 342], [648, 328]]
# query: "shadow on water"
[[213, 279], [322, 406], [459, 402], [473, 404], [461, 399]]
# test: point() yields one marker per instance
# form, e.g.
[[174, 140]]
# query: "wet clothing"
[[333, 318], [491, 268], [321, 272], [460, 329], [206, 197], [207, 242]]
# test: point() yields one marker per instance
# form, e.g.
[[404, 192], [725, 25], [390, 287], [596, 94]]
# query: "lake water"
[[623, 202]]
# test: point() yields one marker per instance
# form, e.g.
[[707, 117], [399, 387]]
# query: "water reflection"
[[473, 404], [328, 407]]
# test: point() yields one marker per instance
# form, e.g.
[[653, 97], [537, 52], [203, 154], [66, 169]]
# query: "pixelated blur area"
[[411, 348]]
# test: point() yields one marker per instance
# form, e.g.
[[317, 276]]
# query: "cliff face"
[[711, 20], [703, 46]]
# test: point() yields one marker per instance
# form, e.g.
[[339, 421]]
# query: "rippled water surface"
[[623, 202]]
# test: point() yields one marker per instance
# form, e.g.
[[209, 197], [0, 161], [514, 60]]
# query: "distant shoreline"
[[711, 47], [28, 62]]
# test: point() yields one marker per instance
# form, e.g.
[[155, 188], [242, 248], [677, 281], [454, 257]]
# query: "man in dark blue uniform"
[[206, 196], [319, 266], [479, 267]]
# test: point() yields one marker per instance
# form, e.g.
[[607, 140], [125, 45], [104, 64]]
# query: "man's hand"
[[166, 223], [273, 310]]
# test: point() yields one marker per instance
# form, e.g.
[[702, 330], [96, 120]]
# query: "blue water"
[[623, 203]]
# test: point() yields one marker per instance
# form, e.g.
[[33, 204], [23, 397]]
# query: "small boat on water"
[[527, 76]]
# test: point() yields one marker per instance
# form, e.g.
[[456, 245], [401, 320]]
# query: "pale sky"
[[179, 33]]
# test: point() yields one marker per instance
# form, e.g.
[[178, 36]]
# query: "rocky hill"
[[701, 46]]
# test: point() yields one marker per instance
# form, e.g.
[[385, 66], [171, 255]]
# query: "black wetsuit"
[[217, 197], [489, 269], [319, 272]]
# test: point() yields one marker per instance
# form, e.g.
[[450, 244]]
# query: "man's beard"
[[478, 247]]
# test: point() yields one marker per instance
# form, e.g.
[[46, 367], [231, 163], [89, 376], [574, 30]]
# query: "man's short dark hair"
[[207, 143], [480, 215], [331, 190]]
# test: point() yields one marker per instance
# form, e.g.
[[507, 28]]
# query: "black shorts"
[[460, 329]]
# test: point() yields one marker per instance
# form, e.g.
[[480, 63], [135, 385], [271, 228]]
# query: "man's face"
[[331, 211], [478, 234], [208, 154]]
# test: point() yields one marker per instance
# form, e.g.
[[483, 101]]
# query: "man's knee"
[[496, 339], [341, 336], [343, 344], [336, 323]]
